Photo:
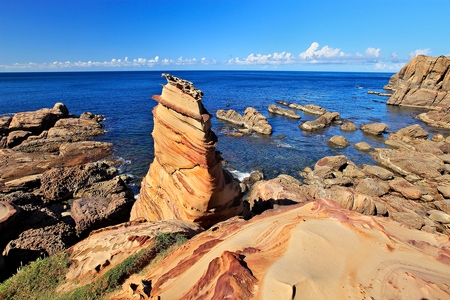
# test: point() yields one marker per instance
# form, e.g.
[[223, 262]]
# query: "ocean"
[[124, 99]]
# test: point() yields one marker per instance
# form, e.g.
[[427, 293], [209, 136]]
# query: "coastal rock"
[[230, 116], [424, 82], [119, 242], [255, 121], [283, 190], [362, 146], [26, 183], [437, 118], [283, 111], [17, 137], [4, 124], [413, 131], [338, 141], [37, 121], [379, 172], [405, 188], [321, 122], [309, 108], [62, 183], [371, 187], [186, 180], [409, 162], [374, 128], [8, 213], [282, 254], [97, 212], [439, 216], [348, 126]]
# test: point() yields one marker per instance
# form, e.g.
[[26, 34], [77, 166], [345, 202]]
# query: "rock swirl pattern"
[[186, 180]]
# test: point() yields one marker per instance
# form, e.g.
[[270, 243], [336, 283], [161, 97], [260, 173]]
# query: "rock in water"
[[186, 180], [424, 82]]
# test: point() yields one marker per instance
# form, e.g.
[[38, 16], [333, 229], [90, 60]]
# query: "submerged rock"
[[374, 128], [283, 111], [186, 180]]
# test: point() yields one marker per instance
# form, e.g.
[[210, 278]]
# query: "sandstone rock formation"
[[252, 119], [186, 180], [283, 111], [338, 141], [437, 118], [285, 254], [423, 82], [374, 128], [117, 243], [348, 126], [323, 121], [309, 108]]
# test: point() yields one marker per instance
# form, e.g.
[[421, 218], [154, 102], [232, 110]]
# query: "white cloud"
[[259, 59], [419, 52], [394, 57], [372, 52]]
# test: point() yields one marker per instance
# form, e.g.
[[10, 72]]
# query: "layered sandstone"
[[307, 251], [186, 180], [423, 82]]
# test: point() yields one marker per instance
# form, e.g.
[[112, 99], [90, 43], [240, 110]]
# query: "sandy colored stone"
[[424, 82], [413, 131], [230, 116], [286, 251], [255, 121], [380, 172], [348, 126], [439, 216], [321, 122], [283, 111], [374, 128], [338, 141], [117, 243], [405, 188], [362, 146], [369, 186], [444, 190], [186, 180]]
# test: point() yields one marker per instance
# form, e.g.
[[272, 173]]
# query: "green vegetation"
[[37, 280], [40, 279]]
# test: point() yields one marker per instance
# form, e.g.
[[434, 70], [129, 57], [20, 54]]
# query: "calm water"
[[124, 98]]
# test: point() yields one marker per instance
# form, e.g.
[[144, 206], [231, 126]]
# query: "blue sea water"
[[124, 98]]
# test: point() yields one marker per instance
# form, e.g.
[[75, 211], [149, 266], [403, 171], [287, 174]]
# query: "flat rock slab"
[[374, 128], [405, 188]]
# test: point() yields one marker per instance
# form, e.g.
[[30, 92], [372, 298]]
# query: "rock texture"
[[423, 82], [186, 180], [117, 243], [321, 122], [283, 111], [285, 254], [374, 128], [252, 119]]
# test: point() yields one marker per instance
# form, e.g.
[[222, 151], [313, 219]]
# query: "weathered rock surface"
[[362, 146], [374, 128], [252, 119], [424, 82], [309, 108], [283, 111], [186, 180], [348, 126], [413, 131], [284, 254], [119, 242], [321, 122], [437, 118], [338, 141], [97, 212]]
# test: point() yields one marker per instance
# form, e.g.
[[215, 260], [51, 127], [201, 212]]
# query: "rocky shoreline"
[[344, 230]]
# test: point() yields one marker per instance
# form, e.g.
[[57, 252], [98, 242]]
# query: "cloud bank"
[[313, 55]]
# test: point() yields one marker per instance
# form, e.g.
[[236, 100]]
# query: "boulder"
[[338, 162], [374, 128], [283, 111], [186, 180], [423, 82], [405, 188], [4, 124], [230, 116], [97, 212], [348, 126], [255, 121], [37, 121], [437, 118], [17, 137], [444, 190], [338, 141], [439, 216], [413, 131], [379, 172], [362, 146], [321, 122], [369, 186], [410, 219], [309, 108]]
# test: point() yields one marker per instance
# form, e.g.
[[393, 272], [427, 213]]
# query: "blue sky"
[[79, 35]]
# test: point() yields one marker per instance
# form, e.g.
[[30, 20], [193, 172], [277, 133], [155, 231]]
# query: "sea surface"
[[124, 98]]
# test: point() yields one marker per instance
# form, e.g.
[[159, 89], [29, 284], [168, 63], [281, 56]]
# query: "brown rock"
[[411, 219], [255, 121], [424, 82], [25, 183], [405, 188], [280, 249], [98, 212], [413, 131], [338, 141], [437, 118], [8, 213], [283, 111], [4, 124], [443, 205], [380, 172], [371, 187], [17, 137], [230, 116], [439, 216], [309, 108], [321, 122], [444, 190], [337, 163], [348, 126], [362, 146], [36, 121], [186, 180], [374, 128]]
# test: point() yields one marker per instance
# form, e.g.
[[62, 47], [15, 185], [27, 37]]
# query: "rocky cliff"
[[424, 82], [186, 180]]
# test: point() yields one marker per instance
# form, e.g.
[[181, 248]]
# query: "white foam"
[[284, 145], [240, 175]]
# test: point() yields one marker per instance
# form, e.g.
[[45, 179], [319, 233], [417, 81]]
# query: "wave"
[[240, 175]]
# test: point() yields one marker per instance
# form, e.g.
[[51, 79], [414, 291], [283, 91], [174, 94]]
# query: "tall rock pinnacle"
[[186, 180]]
